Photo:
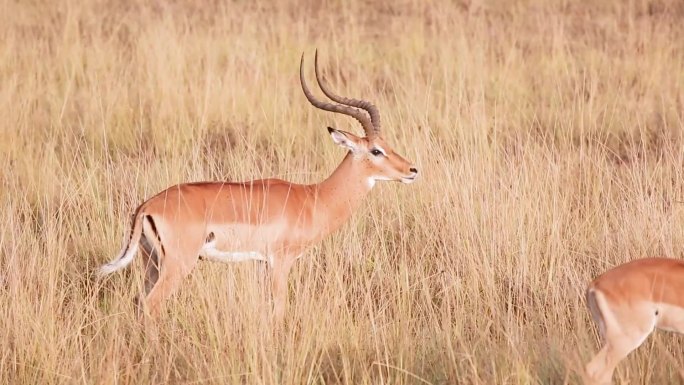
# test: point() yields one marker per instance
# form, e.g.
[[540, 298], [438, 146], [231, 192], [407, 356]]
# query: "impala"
[[268, 220], [629, 302]]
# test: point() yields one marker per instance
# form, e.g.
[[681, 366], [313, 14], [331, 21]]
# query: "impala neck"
[[342, 193]]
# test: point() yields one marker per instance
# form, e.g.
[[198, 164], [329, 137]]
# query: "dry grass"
[[550, 135]]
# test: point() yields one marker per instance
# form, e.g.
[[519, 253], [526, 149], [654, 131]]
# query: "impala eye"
[[376, 152]]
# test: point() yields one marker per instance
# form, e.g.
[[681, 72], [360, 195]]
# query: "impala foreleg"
[[280, 270]]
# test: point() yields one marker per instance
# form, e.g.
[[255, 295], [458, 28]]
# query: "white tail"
[[127, 251]]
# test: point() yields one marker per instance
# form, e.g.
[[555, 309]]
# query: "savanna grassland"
[[549, 135]]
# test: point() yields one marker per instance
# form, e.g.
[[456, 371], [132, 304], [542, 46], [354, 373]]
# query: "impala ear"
[[344, 139]]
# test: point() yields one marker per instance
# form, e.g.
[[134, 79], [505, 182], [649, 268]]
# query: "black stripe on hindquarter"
[[156, 232]]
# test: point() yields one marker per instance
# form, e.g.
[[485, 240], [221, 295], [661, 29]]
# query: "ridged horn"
[[366, 105], [355, 113]]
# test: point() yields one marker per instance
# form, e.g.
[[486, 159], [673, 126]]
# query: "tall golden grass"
[[549, 135]]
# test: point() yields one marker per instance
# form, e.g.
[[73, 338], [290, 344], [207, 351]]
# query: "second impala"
[[628, 303], [269, 220]]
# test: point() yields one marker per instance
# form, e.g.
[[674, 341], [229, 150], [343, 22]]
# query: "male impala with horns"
[[268, 220]]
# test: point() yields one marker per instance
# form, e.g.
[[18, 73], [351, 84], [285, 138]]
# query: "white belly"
[[670, 318], [210, 251]]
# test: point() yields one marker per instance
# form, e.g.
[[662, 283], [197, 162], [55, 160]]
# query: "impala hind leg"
[[150, 257], [150, 263], [620, 339], [175, 263], [152, 253], [173, 270], [601, 368]]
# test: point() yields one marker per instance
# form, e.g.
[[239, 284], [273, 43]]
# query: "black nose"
[[413, 170]]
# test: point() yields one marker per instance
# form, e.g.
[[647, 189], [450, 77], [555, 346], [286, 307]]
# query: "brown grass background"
[[549, 134]]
